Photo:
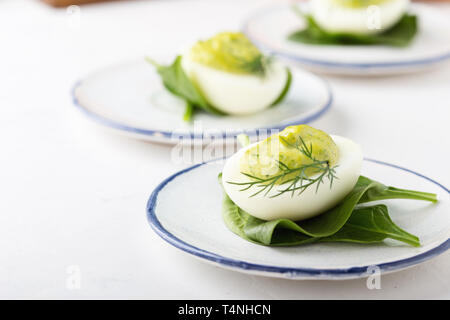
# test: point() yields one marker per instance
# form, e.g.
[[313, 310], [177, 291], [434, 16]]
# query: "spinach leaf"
[[379, 191], [369, 225], [400, 35], [260, 231], [234, 217], [365, 190], [365, 225], [178, 83], [188, 112], [285, 89], [343, 223]]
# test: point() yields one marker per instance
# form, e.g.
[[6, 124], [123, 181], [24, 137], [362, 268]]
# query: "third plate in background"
[[269, 28]]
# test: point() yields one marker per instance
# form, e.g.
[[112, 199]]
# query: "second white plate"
[[131, 99]]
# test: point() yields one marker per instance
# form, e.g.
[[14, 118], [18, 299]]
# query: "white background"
[[73, 194]]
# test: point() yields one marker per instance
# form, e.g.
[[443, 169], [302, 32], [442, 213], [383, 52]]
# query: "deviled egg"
[[305, 171], [357, 16], [233, 75], [226, 74]]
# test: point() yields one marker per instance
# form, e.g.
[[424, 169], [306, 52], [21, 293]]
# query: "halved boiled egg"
[[233, 75], [262, 160], [357, 16]]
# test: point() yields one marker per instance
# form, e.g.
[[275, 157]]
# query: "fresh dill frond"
[[258, 65], [299, 180]]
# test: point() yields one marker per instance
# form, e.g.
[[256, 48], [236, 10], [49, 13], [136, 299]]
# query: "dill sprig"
[[300, 181], [258, 65]]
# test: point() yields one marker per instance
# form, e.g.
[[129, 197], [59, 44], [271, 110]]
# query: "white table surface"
[[75, 195]]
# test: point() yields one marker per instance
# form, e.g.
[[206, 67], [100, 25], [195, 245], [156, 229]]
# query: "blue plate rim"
[[338, 273], [330, 63], [253, 132]]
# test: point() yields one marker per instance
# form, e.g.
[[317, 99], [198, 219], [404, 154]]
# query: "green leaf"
[[234, 217], [280, 232], [332, 220], [285, 89], [365, 190], [256, 230], [379, 191], [178, 83], [343, 223], [188, 112], [369, 225], [400, 35], [365, 225]]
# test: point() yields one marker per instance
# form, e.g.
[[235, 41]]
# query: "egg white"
[[298, 207], [237, 94], [335, 18]]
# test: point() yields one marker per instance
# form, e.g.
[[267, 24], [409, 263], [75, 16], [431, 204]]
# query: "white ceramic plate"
[[193, 223], [131, 99], [269, 28]]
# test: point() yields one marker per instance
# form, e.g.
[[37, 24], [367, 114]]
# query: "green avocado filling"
[[230, 52], [295, 147], [358, 3]]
